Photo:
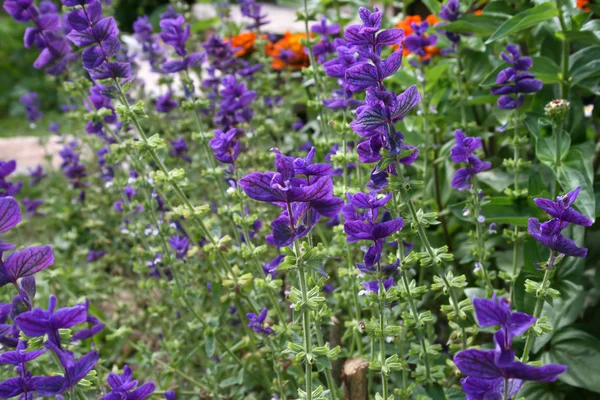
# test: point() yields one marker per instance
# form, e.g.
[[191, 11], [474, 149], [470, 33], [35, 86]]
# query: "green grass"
[[19, 126]]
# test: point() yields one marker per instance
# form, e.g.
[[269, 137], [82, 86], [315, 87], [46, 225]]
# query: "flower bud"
[[557, 110]]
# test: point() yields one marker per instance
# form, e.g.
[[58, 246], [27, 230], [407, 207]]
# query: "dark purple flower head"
[[180, 244], [32, 104], [152, 49], [94, 255], [31, 207], [270, 268], [549, 232], [257, 322], [462, 152], [165, 103], [253, 10], [373, 286], [234, 107], [37, 174], [124, 387], [175, 32], [513, 82], [8, 188], [179, 149], [170, 395], [419, 40], [489, 370], [226, 145], [24, 263], [450, 11]]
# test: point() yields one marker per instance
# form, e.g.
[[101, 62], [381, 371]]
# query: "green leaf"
[[580, 352], [541, 391], [484, 24], [524, 20], [499, 209], [210, 345], [545, 148], [433, 5], [583, 64], [543, 68], [204, 24], [574, 172]]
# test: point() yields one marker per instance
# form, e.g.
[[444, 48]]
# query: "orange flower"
[[405, 24], [243, 43], [288, 51], [581, 4], [478, 12]]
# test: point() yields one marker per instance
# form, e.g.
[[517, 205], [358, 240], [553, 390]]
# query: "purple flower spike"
[[462, 152], [549, 232], [32, 104], [165, 103], [513, 82], [10, 214], [124, 387], [497, 312], [257, 322]]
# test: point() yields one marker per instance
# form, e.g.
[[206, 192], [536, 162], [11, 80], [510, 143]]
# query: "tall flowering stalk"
[[465, 179], [512, 85], [549, 234]]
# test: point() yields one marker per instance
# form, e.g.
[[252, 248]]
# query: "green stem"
[[381, 292], [480, 245], [539, 305], [459, 88], [328, 377], [566, 49], [558, 130], [305, 321]]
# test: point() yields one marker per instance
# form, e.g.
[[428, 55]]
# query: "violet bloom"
[[8, 188], [257, 322], [99, 39], [270, 268], [549, 232], [32, 104], [373, 286], [165, 103], [368, 226], [462, 152], [337, 67], [325, 47], [253, 10], [100, 97], [25, 384], [24, 263], [124, 387], [234, 107], [175, 32], [490, 371], [419, 41], [72, 168], [31, 207], [152, 50], [226, 145], [451, 12], [179, 149], [304, 199], [513, 82], [10, 216], [45, 35], [36, 175], [93, 323], [180, 244], [95, 255]]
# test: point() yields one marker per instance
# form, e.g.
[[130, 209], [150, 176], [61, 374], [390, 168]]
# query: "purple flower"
[[450, 11], [373, 286], [253, 10], [304, 199], [40, 322], [24, 263], [72, 168], [152, 48], [174, 33], [180, 244], [549, 232], [512, 82], [31, 207], [95, 255], [179, 149], [165, 103], [257, 322], [419, 41], [325, 47], [226, 145], [488, 371], [270, 268], [32, 104], [462, 152], [8, 188], [234, 105], [170, 395], [124, 387], [36, 175], [10, 216]]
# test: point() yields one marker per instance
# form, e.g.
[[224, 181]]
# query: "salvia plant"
[[389, 203]]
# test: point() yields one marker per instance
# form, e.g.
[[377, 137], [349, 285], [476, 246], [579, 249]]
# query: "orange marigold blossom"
[[288, 51], [478, 12], [405, 24], [581, 4], [243, 43]]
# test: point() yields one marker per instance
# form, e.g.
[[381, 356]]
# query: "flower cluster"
[[367, 225], [462, 152], [243, 44], [492, 373], [125, 387], [337, 67], [152, 49], [304, 190], [253, 10], [325, 46], [549, 232], [32, 104], [513, 82], [407, 24], [73, 169], [45, 35], [175, 32], [8, 188], [420, 43], [99, 39], [257, 322]]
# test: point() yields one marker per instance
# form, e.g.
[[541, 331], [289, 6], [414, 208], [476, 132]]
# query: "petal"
[[329, 208], [388, 228], [390, 37], [490, 312], [29, 261], [83, 366], [48, 385], [547, 373], [11, 388], [460, 180], [32, 324], [392, 64], [482, 389], [362, 76], [406, 101], [142, 392], [10, 214], [478, 363], [105, 29], [82, 38], [68, 317]]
